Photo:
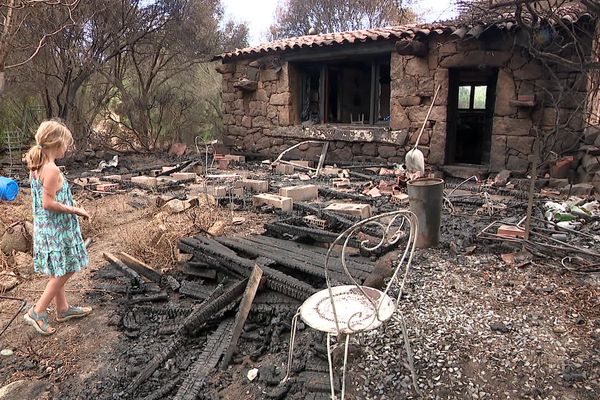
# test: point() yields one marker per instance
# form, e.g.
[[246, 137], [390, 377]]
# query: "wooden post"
[[242, 314]]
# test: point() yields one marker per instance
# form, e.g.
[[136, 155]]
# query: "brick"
[[300, 193], [183, 176], [155, 172], [234, 158], [107, 187], [147, 181], [223, 164], [284, 169], [304, 163], [284, 203], [257, 186], [358, 210], [511, 231]]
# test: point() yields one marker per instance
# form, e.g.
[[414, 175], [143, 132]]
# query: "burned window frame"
[[319, 72]]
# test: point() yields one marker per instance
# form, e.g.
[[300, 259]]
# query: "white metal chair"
[[351, 309]]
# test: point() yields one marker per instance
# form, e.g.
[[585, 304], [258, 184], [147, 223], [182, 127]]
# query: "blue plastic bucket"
[[9, 189]]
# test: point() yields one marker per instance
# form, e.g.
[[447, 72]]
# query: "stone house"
[[367, 92]]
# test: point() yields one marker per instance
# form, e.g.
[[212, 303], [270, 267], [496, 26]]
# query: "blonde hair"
[[50, 134]]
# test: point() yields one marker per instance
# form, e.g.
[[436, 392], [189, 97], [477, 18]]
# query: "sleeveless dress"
[[58, 247]]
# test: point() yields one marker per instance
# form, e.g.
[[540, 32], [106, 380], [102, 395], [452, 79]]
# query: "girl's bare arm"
[[51, 185]]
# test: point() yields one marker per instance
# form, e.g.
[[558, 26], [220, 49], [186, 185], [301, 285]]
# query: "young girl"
[[58, 249]]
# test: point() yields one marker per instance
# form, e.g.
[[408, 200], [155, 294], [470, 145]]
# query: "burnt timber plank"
[[195, 290], [229, 260], [140, 267], [284, 258], [160, 357], [207, 310], [318, 235], [316, 253], [136, 279], [242, 314], [216, 345]]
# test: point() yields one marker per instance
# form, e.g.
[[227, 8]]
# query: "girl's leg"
[[54, 286], [61, 299]]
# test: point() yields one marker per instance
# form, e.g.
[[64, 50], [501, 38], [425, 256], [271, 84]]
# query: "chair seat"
[[354, 312]]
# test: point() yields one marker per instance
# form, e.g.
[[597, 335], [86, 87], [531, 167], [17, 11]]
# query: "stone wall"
[[266, 120]]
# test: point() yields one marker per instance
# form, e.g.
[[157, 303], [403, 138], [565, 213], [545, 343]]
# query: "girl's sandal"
[[32, 318], [73, 312]]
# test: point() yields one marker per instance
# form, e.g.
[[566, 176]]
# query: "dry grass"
[[156, 242]]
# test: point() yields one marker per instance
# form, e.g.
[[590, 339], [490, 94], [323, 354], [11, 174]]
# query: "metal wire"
[[21, 308]]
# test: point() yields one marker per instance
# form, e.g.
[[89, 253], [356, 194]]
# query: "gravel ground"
[[480, 329]]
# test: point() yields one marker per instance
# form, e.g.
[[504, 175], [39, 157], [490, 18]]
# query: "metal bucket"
[[425, 196]]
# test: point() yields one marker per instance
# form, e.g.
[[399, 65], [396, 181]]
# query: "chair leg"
[[344, 367], [330, 361], [291, 347]]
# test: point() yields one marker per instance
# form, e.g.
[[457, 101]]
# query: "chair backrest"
[[393, 227]]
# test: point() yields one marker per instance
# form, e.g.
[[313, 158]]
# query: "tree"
[[297, 17], [152, 78], [15, 16]]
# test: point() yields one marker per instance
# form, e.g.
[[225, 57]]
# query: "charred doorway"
[[471, 99]]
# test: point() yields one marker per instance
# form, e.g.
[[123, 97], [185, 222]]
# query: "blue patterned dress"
[[58, 247]]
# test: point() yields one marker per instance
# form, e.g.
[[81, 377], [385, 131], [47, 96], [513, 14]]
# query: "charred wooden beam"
[[195, 290], [170, 311], [318, 235], [140, 267], [312, 254], [337, 194], [224, 257], [144, 297], [411, 48], [136, 279], [178, 168], [216, 344], [165, 353], [164, 390], [286, 259], [202, 314], [199, 269], [242, 314]]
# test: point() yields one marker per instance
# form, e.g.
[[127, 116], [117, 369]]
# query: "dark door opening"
[[471, 100]]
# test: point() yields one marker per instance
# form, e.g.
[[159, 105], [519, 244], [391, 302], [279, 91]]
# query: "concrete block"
[[183, 176], [284, 169], [304, 163], [358, 210], [155, 172], [163, 180], [284, 203], [107, 187], [146, 181], [328, 171], [340, 182], [257, 186], [217, 191], [113, 178], [300, 193]]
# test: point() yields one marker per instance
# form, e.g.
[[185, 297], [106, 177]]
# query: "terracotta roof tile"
[[505, 22]]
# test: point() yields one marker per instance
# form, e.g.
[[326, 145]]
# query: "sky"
[[259, 15]]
